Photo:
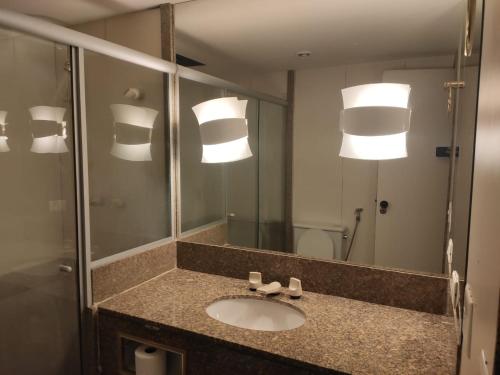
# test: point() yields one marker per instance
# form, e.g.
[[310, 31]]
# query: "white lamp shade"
[[3, 116], [136, 116], [377, 95], [221, 108], [381, 147], [223, 130], [226, 152], [47, 113], [52, 144], [4, 147], [375, 121], [133, 115], [137, 152]]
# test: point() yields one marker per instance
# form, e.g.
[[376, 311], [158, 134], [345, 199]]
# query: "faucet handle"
[[254, 280], [295, 288]]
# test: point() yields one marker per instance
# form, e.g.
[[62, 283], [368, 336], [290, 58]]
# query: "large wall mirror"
[[370, 162]]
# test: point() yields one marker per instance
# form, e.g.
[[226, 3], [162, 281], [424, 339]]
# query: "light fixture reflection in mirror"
[[382, 147], [52, 144], [223, 130], [135, 116], [375, 121], [376, 95], [4, 147]]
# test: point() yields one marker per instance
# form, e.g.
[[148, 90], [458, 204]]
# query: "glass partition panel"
[[127, 131], [243, 186], [272, 122], [203, 199], [39, 320]]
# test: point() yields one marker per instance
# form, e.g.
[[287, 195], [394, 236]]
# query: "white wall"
[[483, 271], [140, 30]]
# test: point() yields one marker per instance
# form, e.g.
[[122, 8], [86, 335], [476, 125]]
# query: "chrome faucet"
[[270, 289]]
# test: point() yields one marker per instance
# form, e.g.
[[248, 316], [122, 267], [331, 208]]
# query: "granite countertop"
[[339, 334]]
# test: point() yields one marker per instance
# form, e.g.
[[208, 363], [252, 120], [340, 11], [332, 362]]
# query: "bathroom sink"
[[256, 314]]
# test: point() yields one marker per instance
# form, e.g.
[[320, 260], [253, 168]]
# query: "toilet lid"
[[315, 243]]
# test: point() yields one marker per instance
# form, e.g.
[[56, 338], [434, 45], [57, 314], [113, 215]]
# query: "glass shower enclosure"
[[88, 158], [85, 180], [39, 295], [247, 196]]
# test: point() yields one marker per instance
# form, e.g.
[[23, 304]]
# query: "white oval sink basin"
[[256, 314]]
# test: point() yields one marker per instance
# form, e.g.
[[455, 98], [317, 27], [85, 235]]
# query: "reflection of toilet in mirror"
[[321, 241]]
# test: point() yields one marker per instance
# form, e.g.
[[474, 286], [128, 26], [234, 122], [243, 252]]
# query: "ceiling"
[[267, 34], [71, 12]]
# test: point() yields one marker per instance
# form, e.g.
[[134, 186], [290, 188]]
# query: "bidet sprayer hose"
[[357, 212]]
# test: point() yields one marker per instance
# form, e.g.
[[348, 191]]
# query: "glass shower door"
[[272, 123], [243, 185], [39, 309]]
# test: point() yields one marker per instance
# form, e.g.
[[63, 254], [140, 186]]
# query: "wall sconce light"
[[52, 144], [374, 121], [4, 147], [223, 130], [136, 116]]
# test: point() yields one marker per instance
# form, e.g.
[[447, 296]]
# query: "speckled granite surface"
[[340, 334], [215, 235], [118, 276], [409, 290]]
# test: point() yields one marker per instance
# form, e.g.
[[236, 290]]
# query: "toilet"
[[321, 241]]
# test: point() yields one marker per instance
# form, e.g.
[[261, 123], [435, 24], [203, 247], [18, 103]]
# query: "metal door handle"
[[383, 207], [65, 268]]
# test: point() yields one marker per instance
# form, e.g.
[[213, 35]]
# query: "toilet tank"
[[335, 232]]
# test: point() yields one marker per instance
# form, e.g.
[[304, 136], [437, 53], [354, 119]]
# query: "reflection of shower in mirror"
[[129, 115], [4, 147], [55, 143]]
